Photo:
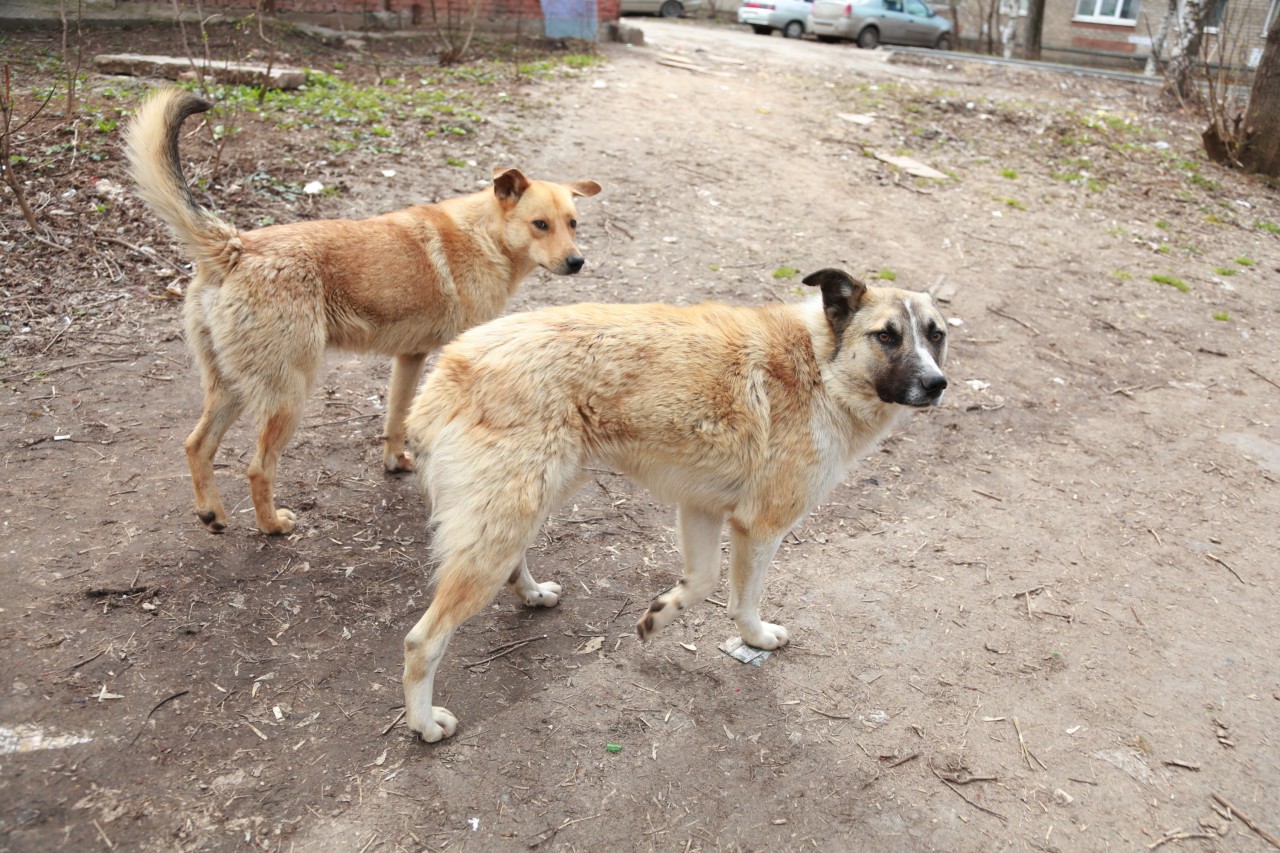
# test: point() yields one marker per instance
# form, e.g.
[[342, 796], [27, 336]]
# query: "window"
[[1271, 16], [1123, 12]]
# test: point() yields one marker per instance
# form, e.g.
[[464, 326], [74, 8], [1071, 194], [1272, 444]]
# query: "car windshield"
[[915, 7]]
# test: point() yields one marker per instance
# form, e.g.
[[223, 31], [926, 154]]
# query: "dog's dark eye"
[[936, 336], [573, 223], [541, 224], [887, 337]]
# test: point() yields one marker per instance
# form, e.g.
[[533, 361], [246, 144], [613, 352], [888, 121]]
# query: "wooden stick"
[[1263, 378], [966, 799], [1026, 326], [828, 716], [1226, 804], [1178, 836], [511, 647], [393, 723], [1223, 563], [1027, 754]]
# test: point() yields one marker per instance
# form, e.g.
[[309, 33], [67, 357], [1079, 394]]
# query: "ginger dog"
[[266, 304], [749, 415]]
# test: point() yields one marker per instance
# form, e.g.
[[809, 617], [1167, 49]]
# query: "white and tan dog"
[[266, 304], [745, 414]]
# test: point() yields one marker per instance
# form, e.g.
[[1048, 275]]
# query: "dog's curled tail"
[[151, 145]]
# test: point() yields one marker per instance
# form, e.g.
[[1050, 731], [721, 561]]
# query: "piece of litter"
[[910, 166], [103, 694], [977, 384], [668, 239], [30, 738], [954, 321], [277, 713], [475, 823], [613, 747], [599, 84], [856, 118], [1074, 729], [590, 646], [313, 188], [62, 437], [381, 759], [738, 650], [874, 719], [690, 646], [388, 173]]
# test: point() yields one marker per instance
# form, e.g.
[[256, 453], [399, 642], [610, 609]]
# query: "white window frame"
[[1271, 16], [1114, 20]]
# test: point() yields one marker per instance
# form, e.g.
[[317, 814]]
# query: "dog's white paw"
[[439, 724], [546, 594], [285, 522], [768, 636], [396, 463]]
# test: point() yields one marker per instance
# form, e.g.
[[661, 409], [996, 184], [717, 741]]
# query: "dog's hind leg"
[[700, 547], [749, 559], [405, 372], [275, 431], [221, 407], [460, 596], [531, 592]]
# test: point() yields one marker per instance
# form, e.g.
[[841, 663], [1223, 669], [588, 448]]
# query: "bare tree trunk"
[[1157, 43], [1035, 28], [1180, 74], [1261, 149], [1008, 27]]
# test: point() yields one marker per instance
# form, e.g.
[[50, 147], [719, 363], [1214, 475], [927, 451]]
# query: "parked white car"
[[662, 8], [765, 16], [872, 22]]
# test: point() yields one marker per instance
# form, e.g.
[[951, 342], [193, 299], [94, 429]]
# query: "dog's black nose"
[[573, 263], [934, 385]]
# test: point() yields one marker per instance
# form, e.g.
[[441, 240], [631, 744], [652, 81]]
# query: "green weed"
[[1244, 262], [1221, 315], [887, 275], [786, 272], [1176, 283]]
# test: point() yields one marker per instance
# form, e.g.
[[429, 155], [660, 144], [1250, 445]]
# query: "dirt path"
[[1040, 617]]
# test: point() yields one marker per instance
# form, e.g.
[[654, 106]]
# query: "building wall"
[[500, 14], [1100, 40]]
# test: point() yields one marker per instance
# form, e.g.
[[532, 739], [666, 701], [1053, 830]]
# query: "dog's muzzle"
[[932, 387]]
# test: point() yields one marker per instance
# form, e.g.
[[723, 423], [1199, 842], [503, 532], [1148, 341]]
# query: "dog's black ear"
[[841, 296], [509, 183], [583, 188]]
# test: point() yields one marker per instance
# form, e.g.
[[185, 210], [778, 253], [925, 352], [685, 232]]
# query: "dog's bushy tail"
[[151, 145]]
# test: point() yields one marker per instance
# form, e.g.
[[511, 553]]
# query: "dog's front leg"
[[405, 372], [700, 546], [750, 559]]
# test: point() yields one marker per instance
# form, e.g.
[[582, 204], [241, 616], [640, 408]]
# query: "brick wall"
[[409, 12]]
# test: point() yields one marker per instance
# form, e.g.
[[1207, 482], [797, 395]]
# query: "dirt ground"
[[1040, 617]]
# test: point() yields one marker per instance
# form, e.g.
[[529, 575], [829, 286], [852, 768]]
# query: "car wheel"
[[671, 9], [793, 30], [869, 38], [944, 42], [761, 30]]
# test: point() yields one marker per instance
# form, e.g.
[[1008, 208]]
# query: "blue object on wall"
[[570, 19]]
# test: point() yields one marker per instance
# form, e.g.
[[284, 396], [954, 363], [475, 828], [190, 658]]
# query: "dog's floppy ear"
[[841, 296], [509, 183], [583, 188]]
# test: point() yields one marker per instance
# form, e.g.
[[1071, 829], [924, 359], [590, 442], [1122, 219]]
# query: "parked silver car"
[[663, 8], [871, 22], [765, 16]]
